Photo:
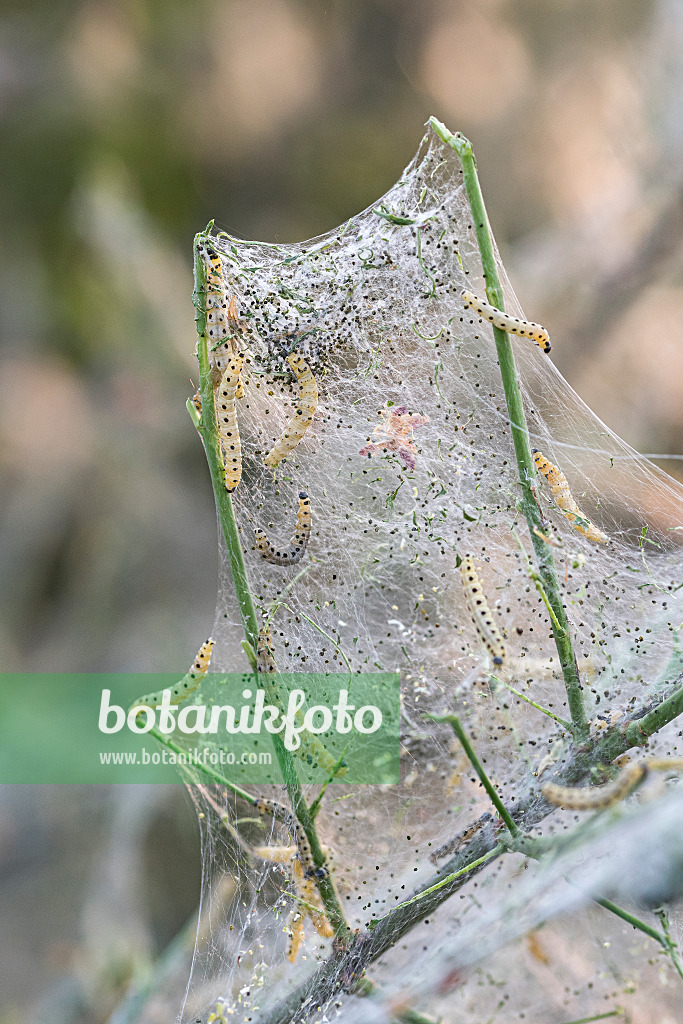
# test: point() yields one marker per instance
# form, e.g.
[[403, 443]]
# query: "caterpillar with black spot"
[[295, 935], [504, 322], [228, 430], [221, 319], [298, 543], [217, 328], [307, 403], [187, 685], [311, 750], [595, 798], [565, 500], [480, 612]]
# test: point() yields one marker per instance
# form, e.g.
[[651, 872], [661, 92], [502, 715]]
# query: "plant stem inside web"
[[207, 427], [520, 434]]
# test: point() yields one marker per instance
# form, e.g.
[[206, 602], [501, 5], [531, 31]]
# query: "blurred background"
[[125, 126]]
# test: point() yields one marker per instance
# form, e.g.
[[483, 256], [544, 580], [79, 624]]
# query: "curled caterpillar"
[[228, 431], [504, 322], [187, 684], [298, 543], [565, 500], [480, 612], [594, 798], [311, 750], [302, 419]]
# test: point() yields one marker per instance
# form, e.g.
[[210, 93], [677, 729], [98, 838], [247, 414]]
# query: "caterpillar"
[[302, 419], [315, 911], [504, 322], [595, 798], [298, 543], [480, 612], [295, 935], [265, 662], [290, 857], [228, 431], [187, 684], [216, 302], [234, 322], [299, 837], [565, 500], [221, 316], [311, 750], [308, 907]]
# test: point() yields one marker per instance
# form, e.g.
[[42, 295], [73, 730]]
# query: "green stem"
[[208, 429], [671, 947], [639, 729], [539, 707], [600, 1016], [457, 728], [631, 919], [520, 435], [536, 848], [639, 732], [440, 884], [370, 945], [210, 773]]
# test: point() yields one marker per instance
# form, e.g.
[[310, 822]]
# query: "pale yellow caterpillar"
[[221, 316], [504, 322], [595, 798], [187, 684], [480, 612], [302, 419], [228, 431], [216, 300], [296, 833], [295, 935], [309, 906], [311, 750], [298, 543], [233, 322], [315, 911], [265, 662], [565, 501]]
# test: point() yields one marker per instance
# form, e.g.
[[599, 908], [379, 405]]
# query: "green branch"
[[528, 812], [440, 884], [208, 430], [457, 728], [520, 435]]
